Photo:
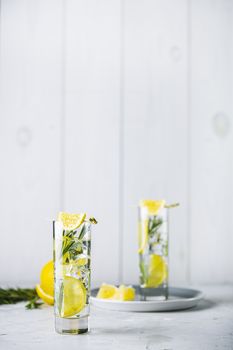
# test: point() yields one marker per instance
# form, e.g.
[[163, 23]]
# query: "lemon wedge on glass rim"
[[152, 206], [71, 221]]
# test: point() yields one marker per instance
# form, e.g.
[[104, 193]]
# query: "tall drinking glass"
[[72, 250], [153, 252]]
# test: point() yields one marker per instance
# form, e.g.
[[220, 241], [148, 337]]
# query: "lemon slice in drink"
[[74, 297], [107, 291], [157, 272], [142, 235], [71, 221], [153, 206]]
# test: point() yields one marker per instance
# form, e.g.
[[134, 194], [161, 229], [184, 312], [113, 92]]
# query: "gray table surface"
[[208, 326]]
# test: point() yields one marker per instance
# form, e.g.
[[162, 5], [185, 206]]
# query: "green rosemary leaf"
[[93, 220], [15, 295], [82, 233], [153, 225], [33, 304], [67, 247], [173, 205]]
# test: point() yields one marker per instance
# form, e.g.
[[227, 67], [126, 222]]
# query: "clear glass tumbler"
[[153, 252], [72, 272]]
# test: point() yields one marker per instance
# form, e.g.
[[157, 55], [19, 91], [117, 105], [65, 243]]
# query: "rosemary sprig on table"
[[15, 295], [34, 304]]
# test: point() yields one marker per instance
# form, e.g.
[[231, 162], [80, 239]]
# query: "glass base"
[[71, 325]]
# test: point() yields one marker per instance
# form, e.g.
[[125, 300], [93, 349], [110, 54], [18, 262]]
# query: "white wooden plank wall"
[[211, 141], [155, 122], [92, 97], [30, 64], [104, 103]]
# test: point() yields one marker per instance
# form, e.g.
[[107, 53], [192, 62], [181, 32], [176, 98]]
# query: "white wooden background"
[[107, 102]]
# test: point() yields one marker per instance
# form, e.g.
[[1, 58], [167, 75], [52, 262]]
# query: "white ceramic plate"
[[179, 299]]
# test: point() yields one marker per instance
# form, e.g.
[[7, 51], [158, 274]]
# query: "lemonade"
[[153, 248], [72, 248]]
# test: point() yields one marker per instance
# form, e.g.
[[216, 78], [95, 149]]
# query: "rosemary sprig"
[[67, 247], [15, 295], [173, 205], [82, 233], [93, 220], [34, 304], [153, 225]]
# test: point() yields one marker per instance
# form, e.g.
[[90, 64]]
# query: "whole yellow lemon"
[[47, 278]]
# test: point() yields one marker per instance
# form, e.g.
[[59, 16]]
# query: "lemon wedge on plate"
[[110, 292], [71, 221], [126, 293], [107, 291]]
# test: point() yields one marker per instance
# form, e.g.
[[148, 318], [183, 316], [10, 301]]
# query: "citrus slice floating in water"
[[157, 271], [142, 235], [73, 297]]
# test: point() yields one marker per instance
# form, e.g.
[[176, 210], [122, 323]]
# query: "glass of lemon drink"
[[72, 255], [153, 249]]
